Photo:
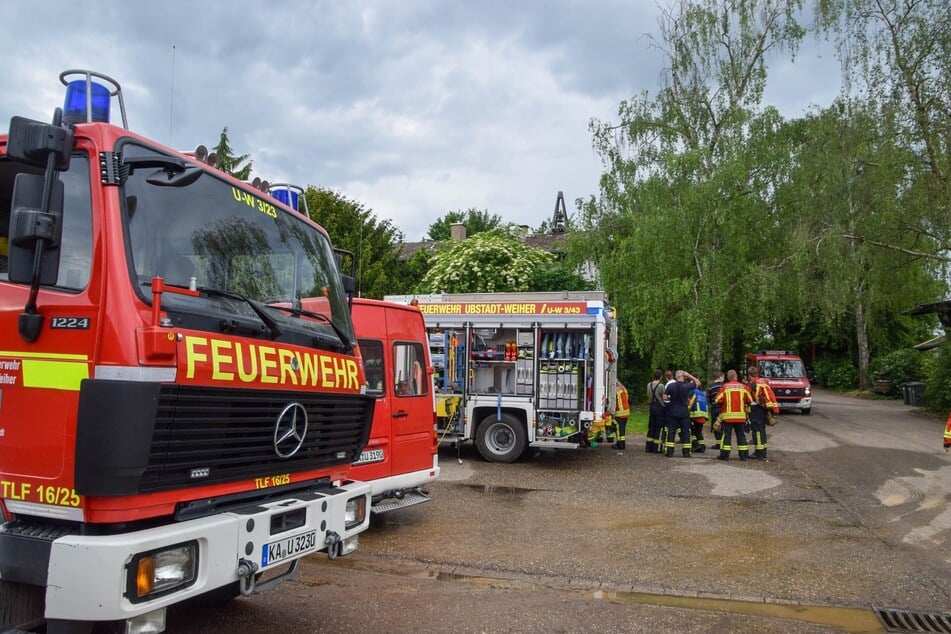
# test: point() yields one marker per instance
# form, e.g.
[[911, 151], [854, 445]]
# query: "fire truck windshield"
[[782, 369], [249, 254]]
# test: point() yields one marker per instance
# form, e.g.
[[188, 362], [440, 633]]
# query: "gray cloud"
[[414, 108]]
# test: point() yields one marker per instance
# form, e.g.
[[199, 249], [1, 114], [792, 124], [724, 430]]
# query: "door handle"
[[400, 414]]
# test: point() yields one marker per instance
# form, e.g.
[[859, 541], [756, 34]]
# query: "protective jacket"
[[622, 408], [697, 405], [947, 433], [734, 400], [763, 395]]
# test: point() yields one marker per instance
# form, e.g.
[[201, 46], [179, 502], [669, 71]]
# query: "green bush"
[[838, 374], [938, 382], [900, 366]]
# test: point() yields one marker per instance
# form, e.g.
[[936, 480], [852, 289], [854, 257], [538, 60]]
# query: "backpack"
[[698, 405]]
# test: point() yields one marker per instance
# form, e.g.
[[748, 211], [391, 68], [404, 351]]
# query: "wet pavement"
[[843, 518]]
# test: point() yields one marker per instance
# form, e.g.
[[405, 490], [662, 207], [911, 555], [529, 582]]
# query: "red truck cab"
[[787, 375], [401, 456]]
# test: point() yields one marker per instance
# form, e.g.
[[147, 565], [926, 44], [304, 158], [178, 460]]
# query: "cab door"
[[412, 405]]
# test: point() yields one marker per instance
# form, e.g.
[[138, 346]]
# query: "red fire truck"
[[172, 420], [401, 457], [787, 375]]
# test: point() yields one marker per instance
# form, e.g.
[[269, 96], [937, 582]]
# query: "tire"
[[501, 440], [21, 606], [805, 411]]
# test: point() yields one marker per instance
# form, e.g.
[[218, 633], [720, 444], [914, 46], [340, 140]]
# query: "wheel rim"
[[500, 438]]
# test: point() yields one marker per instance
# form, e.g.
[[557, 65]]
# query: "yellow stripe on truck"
[[51, 370]]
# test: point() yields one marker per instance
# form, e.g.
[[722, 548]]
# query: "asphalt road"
[[851, 515]]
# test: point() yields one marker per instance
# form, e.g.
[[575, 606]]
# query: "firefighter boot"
[[686, 451], [744, 454], [649, 446], [670, 452], [724, 455]]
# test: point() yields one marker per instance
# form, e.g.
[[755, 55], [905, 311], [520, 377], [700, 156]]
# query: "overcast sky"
[[412, 108]]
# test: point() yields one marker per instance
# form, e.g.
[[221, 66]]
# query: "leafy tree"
[[846, 188], [475, 220], [898, 57], [491, 261], [558, 276], [684, 224], [374, 243], [228, 162]]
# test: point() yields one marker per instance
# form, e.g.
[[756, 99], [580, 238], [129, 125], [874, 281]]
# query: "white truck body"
[[519, 370]]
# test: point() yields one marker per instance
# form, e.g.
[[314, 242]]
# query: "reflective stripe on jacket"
[[763, 395], [734, 398], [622, 408]]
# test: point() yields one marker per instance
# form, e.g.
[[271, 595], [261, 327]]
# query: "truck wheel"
[[501, 439], [21, 606], [805, 411]]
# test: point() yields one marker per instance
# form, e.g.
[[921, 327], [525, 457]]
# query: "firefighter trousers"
[[655, 425], [758, 435], [677, 424], [729, 430], [696, 437]]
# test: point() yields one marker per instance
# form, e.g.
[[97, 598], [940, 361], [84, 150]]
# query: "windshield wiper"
[[344, 339], [272, 326]]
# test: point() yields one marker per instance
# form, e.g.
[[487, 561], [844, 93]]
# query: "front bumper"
[[88, 578], [803, 403]]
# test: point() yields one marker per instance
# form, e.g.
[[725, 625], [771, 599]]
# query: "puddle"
[[489, 488], [845, 619], [853, 620]]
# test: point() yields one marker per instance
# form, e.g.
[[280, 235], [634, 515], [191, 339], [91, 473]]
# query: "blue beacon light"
[[290, 195], [74, 109], [89, 101]]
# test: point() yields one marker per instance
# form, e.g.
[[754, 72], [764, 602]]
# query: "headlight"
[[808, 391], [159, 572], [356, 512]]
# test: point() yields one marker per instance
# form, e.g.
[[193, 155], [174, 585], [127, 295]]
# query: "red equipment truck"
[[401, 457], [172, 421], [787, 375]]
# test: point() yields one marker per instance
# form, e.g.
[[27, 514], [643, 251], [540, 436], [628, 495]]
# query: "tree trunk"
[[861, 340]]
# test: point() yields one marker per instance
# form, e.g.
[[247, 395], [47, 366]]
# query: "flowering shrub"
[[491, 261]]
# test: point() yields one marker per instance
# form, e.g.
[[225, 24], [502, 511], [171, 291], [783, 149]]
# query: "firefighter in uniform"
[[947, 434], [622, 410], [655, 420], [678, 413], [764, 404], [699, 413], [712, 392], [734, 399]]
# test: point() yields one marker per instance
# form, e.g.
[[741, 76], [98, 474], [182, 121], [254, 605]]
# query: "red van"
[[401, 456], [786, 374]]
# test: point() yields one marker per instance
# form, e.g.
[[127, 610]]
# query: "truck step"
[[409, 499]]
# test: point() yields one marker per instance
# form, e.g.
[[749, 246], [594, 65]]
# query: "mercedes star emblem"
[[290, 430]]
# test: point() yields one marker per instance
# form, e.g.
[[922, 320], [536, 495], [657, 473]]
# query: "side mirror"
[[29, 224], [33, 142], [349, 284]]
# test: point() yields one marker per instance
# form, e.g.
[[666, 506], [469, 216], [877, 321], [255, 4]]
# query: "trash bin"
[[914, 393]]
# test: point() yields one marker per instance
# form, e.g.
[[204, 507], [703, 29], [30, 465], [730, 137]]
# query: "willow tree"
[[685, 222], [897, 56], [845, 197], [375, 243]]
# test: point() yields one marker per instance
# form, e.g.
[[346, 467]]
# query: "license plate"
[[288, 548], [372, 455]]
